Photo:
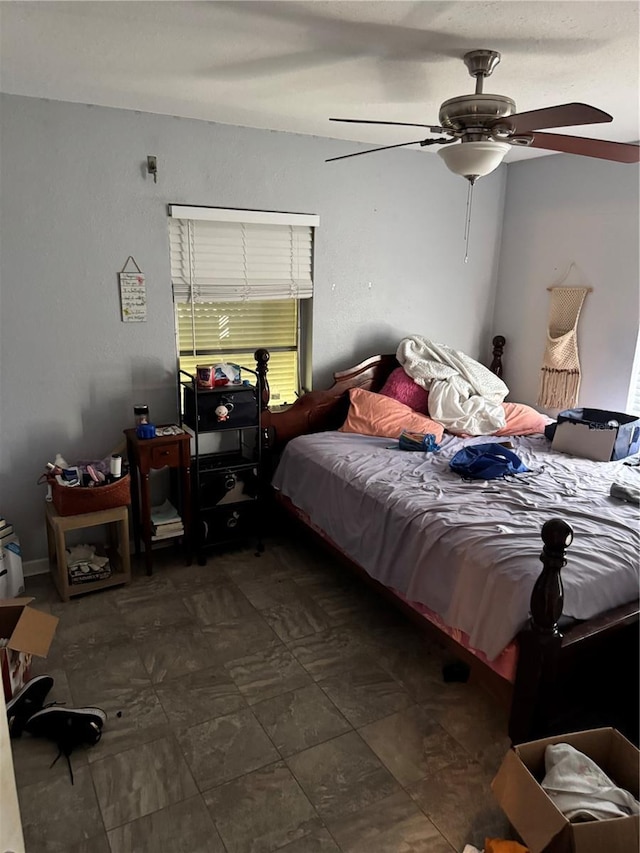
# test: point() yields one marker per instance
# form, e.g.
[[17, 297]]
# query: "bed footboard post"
[[541, 641], [262, 368], [498, 348]]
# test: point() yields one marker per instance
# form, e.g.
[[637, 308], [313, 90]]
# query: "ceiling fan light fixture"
[[473, 160]]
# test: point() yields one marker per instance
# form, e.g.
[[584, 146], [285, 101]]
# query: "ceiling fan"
[[486, 126]]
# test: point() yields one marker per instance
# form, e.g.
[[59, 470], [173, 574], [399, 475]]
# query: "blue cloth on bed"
[[486, 462], [417, 441]]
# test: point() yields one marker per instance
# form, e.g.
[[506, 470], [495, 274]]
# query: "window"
[[633, 402], [241, 280], [232, 331]]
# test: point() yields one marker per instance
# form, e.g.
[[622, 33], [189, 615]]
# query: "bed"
[[463, 559]]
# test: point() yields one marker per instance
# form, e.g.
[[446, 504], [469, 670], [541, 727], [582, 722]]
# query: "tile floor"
[[257, 704]]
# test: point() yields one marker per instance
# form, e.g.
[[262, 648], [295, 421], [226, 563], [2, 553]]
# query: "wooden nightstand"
[[117, 522], [145, 454]]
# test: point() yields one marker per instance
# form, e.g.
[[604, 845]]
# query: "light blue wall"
[[75, 202], [561, 209]]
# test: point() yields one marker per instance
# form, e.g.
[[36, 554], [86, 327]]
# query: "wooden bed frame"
[[583, 678]]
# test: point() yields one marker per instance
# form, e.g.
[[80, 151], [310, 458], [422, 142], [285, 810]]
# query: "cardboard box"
[[534, 815], [587, 433], [28, 632]]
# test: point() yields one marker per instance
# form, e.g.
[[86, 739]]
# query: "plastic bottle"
[[115, 465], [60, 461]]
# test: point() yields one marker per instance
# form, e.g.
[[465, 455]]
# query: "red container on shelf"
[[75, 500]]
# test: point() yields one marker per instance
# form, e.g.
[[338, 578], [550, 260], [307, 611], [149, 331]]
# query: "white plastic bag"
[[11, 576]]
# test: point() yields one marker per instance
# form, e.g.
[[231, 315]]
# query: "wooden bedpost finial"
[[547, 597], [262, 368], [557, 535], [498, 347]]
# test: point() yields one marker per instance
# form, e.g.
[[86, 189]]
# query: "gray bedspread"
[[469, 551]]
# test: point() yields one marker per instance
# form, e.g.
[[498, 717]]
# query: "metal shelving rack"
[[225, 482]]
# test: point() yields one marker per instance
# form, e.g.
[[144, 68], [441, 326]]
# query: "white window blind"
[[214, 259], [232, 331], [237, 277]]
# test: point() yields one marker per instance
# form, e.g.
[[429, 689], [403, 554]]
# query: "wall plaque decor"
[[133, 293]]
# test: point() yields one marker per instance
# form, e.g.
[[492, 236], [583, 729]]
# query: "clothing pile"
[[416, 441], [624, 491], [580, 789], [464, 396], [84, 565]]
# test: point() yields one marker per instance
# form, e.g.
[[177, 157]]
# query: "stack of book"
[[166, 521], [6, 531]]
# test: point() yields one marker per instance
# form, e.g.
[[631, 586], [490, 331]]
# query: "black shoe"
[[27, 702], [69, 728]]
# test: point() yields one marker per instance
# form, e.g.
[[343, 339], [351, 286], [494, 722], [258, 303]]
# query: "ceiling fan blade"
[[619, 152], [432, 127], [563, 115], [371, 150]]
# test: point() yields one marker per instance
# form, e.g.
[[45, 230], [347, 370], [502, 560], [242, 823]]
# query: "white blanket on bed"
[[464, 396]]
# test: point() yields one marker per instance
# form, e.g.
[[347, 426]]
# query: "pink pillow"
[[375, 414], [522, 420], [401, 387]]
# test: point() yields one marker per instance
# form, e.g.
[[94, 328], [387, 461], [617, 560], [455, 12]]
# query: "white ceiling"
[[290, 65]]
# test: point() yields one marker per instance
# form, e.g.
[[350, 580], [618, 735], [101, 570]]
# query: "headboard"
[[318, 411]]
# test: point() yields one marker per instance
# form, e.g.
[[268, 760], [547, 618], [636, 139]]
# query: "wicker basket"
[[75, 500]]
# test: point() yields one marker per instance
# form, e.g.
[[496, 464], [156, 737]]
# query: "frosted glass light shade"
[[474, 159]]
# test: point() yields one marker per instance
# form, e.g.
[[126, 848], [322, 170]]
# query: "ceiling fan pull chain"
[[467, 224]]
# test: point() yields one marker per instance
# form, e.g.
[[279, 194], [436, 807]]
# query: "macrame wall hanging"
[[560, 372]]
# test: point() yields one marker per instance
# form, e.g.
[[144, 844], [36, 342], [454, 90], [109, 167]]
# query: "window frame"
[[633, 397]]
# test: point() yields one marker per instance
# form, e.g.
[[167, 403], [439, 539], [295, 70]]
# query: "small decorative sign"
[[133, 294]]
